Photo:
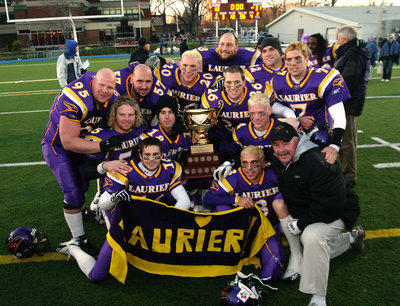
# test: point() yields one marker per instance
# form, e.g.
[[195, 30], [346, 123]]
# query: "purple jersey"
[[260, 73], [148, 104], [126, 151], [166, 178], [211, 62], [236, 185], [231, 113], [244, 135], [320, 89], [76, 102], [188, 96], [328, 59], [171, 149]]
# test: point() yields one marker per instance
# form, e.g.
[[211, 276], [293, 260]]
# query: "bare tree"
[[194, 10], [277, 8]]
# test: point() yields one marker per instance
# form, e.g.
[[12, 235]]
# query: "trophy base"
[[200, 166], [202, 149]]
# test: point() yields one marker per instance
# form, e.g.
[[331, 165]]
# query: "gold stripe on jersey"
[[254, 57], [128, 90], [335, 46], [178, 172], [249, 76], [268, 89], [226, 186], [234, 136], [326, 81], [74, 97], [166, 136], [119, 178], [94, 138]]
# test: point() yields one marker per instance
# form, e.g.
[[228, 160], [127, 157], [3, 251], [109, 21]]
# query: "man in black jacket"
[[353, 64], [321, 204]]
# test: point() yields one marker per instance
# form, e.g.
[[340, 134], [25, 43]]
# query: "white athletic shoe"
[[64, 247]]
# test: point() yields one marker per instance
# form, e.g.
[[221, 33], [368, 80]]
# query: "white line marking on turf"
[[26, 112], [387, 165], [382, 97], [23, 164], [27, 81], [392, 145], [29, 91]]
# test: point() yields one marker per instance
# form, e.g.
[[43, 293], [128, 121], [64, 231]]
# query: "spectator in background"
[[68, 64], [183, 46], [353, 64], [142, 52], [389, 54], [372, 47]]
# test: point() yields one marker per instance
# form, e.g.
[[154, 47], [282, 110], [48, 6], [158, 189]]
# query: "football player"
[[256, 132], [216, 60], [272, 57], [232, 102], [125, 119], [316, 96], [77, 110], [170, 130], [322, 54], [253, 184], [137, 82], [186, 81]]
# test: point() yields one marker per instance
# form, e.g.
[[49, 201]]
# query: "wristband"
[[100, 168]]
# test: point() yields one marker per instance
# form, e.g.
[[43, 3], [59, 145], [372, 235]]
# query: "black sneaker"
[[86, 246]]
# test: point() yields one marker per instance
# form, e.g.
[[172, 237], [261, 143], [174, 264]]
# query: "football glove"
[[223, 170], [111, 143], [122, 195], [293, 229]]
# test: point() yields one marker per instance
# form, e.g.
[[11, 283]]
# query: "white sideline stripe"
[[25, 112], [376, 145], [29, 91], [387, 165], [28, 81], [392, 145], [23, 164], [382, 97], [24, 64]]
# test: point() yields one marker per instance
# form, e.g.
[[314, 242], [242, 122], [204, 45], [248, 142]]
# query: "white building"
[[368, 20]]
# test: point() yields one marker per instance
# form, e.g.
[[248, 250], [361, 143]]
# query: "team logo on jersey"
[[70, 107], [214, 185], [107, 182], [338, 82]]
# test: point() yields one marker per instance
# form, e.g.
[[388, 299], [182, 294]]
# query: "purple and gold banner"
[[164, 240]]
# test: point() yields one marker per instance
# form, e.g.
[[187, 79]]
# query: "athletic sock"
[[84, 260], [75, 224]]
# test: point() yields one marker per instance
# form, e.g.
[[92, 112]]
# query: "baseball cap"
[[283, 131], [273, 42], [142, 41]]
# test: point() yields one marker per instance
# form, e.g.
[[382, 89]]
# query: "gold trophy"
[[203, 161]]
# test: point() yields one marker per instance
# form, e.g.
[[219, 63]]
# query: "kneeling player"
[[253, 184]]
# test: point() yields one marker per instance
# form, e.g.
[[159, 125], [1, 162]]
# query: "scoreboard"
[[237, 10]]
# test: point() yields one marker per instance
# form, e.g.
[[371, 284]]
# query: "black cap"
[[283, 131], [167, 101], [273, 42], [142, 41]]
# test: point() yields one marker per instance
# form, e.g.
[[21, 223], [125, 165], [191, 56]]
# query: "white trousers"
[[321, 242]]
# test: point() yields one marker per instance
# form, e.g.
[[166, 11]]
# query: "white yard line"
[[28, 91], [26, 112], [23, 164], [28, 81], [387, 165]]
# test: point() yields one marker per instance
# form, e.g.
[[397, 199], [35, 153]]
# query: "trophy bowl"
[[200, 120]]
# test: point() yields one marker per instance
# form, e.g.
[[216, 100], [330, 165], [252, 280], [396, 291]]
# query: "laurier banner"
[[161, 239]]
